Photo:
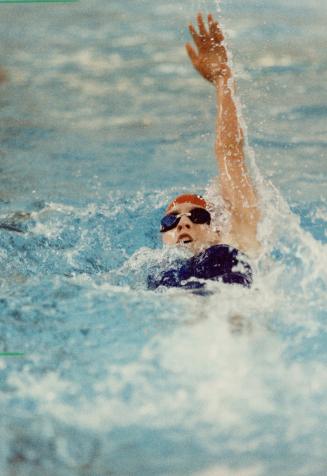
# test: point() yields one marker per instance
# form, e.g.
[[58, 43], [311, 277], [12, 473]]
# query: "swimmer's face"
[[195, 236]]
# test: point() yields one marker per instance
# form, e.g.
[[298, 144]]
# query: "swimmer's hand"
[[211, 59]]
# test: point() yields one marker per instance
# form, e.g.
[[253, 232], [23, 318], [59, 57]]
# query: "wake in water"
[[165, 365]]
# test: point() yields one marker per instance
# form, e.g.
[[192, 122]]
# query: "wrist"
[[223, 77]]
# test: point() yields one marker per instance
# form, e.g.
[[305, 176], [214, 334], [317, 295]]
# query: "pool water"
[[103, 121]]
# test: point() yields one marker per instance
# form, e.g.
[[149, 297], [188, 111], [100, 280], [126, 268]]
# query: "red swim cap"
[[188, 198]]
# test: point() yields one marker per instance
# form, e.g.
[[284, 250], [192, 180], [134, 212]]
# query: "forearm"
[[229, 140], [236, 186]]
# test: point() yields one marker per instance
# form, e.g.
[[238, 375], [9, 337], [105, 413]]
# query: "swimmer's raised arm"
[[237, 190]]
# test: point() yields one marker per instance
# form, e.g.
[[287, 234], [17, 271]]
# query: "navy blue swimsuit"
[[219, 263]]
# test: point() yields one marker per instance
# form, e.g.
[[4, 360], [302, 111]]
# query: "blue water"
[[102, 121]]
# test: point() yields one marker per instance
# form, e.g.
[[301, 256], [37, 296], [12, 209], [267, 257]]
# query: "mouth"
[[185, 239]]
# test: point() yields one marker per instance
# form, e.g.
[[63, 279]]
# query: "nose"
[[184, 222]]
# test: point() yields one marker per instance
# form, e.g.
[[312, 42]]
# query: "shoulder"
[[244, 242], [221, 253], [223, 262], [222, 257]]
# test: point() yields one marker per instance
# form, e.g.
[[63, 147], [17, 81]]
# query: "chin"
[[197, 247]]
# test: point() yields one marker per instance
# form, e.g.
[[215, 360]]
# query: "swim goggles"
[[197, 215]]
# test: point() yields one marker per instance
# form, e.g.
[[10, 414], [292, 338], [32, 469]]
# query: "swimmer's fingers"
[[202, 28], [214, 29], [211, 22], [196, 37], [201, 38], [192, 54]]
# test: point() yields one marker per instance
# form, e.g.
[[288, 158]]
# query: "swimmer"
[[217, 254]]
